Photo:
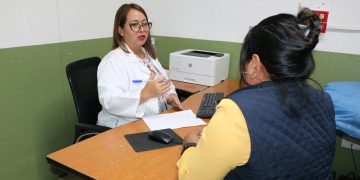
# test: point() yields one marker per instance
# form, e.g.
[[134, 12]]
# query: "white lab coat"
[[118, 95]]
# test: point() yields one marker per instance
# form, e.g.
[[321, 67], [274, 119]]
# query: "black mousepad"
[[141, 141]]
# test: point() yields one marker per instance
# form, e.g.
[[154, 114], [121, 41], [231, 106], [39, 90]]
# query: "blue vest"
[[284, 147]]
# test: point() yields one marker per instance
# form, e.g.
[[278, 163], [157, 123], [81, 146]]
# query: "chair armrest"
[[92, 128], [83, 131]]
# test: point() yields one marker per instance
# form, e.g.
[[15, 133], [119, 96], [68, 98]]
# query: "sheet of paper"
[[174, 120]]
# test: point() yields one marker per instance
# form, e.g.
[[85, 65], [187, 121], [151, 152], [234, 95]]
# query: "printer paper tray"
[[194, 78]]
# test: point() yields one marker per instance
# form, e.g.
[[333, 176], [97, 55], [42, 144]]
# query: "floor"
[[69, 177]]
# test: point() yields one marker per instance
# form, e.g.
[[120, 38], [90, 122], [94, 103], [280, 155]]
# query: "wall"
[[39, 37], [29, 22], [229, 20], [37, 109], [329, 66], [38, 22]]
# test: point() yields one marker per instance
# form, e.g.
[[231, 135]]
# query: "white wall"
[[34, 22], [226, 20], [87, 19], [229, 20], [49, 21], [25, 23], [343, 34]]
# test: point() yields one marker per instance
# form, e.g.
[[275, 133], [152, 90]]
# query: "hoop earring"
[[253, 77], [250, 75]]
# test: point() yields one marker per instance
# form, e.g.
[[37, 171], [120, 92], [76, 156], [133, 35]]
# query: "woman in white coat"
[[131, 81]]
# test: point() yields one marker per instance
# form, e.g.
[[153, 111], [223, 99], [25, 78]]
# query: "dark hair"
[[284, 44], [120, 20]]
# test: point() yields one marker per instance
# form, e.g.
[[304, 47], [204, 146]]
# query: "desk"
[[189, 87], [184, 90], [109, 156]]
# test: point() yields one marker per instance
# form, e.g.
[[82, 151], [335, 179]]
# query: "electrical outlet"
[[153, 41], [350, 145]]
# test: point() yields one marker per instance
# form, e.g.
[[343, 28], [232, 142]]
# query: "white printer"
[[199, 67]]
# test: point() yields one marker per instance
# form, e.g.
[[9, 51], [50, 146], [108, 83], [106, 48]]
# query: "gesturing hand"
[[154, 87], [174, 101]]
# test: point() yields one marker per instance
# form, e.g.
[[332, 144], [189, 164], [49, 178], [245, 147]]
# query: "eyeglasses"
[[136, 26]]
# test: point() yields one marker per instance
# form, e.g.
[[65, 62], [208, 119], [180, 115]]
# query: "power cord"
[[353, 157], [351, 175]]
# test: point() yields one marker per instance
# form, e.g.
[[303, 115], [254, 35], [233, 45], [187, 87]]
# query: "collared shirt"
[[121, 77]]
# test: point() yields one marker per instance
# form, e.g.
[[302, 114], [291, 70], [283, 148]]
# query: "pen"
[[138, 81], [141, 81]]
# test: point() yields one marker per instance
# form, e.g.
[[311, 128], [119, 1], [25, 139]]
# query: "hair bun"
[[310, 25]]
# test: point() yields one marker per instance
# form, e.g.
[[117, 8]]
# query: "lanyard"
[[150, 65]]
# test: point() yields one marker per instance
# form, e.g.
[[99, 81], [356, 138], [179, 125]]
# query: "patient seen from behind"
[[276, 126]]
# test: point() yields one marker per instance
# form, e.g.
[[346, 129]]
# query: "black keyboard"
[[208, 104]]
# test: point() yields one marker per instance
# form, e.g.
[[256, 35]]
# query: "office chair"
[[82, 77]]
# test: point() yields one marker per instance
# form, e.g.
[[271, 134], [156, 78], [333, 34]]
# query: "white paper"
[[174, 120]]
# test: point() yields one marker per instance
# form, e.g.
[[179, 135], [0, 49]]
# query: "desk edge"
[[67, 169]]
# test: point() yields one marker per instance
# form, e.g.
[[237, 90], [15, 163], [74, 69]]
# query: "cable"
[[86, 134], [352, 155]]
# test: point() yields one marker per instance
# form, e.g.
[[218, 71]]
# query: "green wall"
[[37, 110]]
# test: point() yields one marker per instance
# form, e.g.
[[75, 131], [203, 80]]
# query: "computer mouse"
[[161, 136]]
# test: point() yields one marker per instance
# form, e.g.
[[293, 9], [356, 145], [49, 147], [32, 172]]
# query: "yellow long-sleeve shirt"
[[224, 145]]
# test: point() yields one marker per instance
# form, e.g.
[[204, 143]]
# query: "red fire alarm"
[[323, 15]]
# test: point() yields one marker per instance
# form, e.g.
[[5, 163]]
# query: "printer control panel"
[[202, 54]]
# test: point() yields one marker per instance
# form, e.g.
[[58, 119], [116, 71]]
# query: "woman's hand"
[[174, 101], [193, 136], [154, 87]]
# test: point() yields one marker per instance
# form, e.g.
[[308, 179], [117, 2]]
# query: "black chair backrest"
[[82, 76]]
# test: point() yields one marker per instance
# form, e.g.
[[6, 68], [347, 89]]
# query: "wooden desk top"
[[189, 87], [109, 155]]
